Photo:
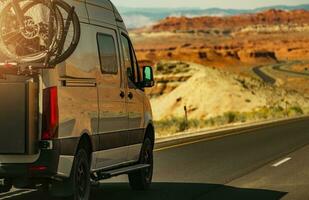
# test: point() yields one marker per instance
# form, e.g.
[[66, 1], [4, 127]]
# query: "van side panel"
[[78, 99], [78, 95], [80, 9], [100, 12], [106, 4]]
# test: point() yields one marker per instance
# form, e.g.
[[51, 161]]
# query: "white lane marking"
[[281, 162], [15, 194]]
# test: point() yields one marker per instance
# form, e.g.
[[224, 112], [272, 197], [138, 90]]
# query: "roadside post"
[[186, 117]]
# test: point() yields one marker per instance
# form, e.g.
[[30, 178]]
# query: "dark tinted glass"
[[130, 59], [108, 55]]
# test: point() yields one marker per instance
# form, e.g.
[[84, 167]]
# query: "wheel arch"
[[85, 142]]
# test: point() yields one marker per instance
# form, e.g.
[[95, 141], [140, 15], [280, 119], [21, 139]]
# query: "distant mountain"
[[283, 7], [140, 17]]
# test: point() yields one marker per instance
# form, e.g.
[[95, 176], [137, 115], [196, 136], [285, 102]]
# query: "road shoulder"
[[288, 174]]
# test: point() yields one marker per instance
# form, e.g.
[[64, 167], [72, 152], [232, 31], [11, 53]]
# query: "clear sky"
[[236, 4]]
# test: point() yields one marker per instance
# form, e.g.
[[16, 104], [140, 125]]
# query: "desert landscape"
[[225, 70]]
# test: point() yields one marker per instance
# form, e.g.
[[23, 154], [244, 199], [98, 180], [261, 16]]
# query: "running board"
[[100, 175]]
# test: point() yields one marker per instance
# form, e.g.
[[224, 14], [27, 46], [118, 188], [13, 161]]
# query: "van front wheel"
[[141, 180]]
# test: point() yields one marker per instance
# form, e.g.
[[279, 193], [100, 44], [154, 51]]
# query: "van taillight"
[[50, 113]]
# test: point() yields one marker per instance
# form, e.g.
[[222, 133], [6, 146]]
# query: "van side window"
[[130, 60], [107, 52]]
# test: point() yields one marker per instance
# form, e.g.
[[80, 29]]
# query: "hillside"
[[209, 93]]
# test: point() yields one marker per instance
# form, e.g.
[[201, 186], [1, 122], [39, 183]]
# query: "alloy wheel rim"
[[81, 181]]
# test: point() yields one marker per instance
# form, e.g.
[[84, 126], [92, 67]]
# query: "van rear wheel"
[[77, 187], [6, 186], [141, 180], [80, 176]]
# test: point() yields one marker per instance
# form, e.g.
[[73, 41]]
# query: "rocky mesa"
[[270, 17], [232, 42]]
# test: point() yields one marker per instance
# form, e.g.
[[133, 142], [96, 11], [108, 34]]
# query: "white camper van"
[[74, 116]]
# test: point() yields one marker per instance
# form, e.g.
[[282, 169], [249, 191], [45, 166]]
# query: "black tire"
[[67, 51], [6, 187], [142, 179], [80, 176]]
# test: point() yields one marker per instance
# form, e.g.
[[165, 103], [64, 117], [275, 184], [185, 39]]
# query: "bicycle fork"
[[19, 13], [66, 30], [51, 22], [50, 30]]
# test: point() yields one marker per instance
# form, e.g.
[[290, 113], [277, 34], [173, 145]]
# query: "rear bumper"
[[45, 167]]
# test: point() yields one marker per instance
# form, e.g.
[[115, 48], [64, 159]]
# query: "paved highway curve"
[[266, 78], [233, 167], [282, 67], [278, 68]]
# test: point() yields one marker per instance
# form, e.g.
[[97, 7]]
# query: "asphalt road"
[[278, 68], [234, 167], [266, 78], [283, 67]]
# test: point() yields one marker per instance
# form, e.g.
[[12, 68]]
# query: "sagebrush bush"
[[174, 125]]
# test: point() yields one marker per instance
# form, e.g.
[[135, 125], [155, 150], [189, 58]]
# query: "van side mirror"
[[148, 77]]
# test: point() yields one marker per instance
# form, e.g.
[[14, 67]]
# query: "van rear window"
[[108, 55]]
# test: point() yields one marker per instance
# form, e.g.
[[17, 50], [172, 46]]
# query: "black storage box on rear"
[[18, 118]]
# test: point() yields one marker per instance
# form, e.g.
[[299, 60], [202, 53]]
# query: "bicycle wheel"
[[71, 32], [32, 42], [45, 32]]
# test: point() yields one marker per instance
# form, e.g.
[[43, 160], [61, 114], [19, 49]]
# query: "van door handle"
[[122, 94], [130, 95]]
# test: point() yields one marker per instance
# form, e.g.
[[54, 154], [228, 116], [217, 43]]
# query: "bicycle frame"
[[50, 32], [20, 18]]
